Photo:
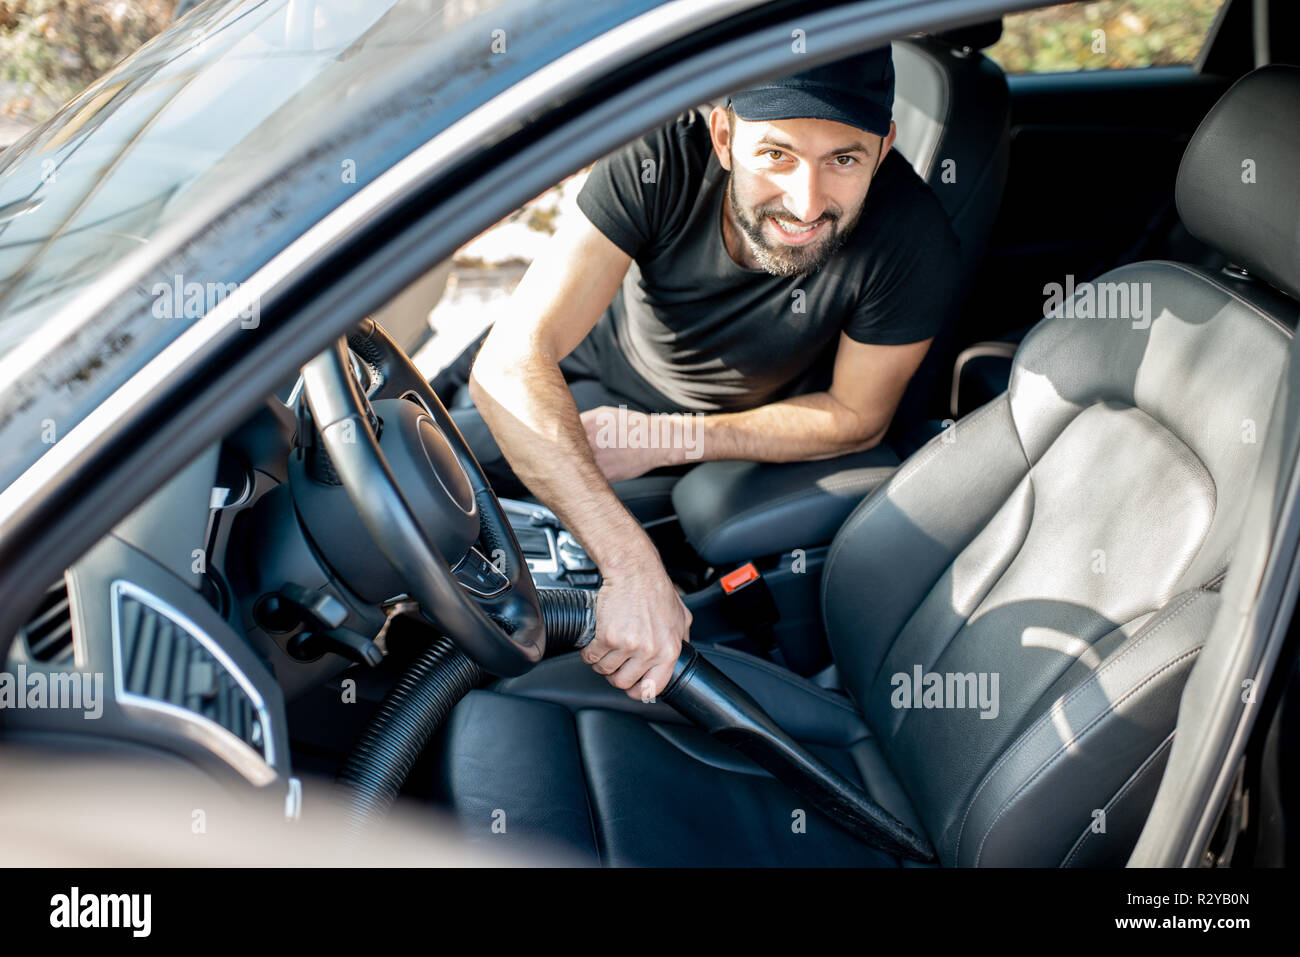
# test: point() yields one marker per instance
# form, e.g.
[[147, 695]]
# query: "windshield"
[[212, 148], [157, 134]]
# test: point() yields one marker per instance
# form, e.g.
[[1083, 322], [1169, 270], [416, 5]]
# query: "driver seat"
[[1013, 615]]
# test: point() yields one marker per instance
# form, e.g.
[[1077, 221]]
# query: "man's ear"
[[720, 133], [887, 143]]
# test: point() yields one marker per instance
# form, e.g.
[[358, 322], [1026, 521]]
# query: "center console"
[[778, 616], [554, 557]]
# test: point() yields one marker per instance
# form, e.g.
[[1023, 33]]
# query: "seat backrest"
[[952, 110], [1016, 611]]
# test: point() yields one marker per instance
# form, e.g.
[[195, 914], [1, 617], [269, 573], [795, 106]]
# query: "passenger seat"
[[954, 126]]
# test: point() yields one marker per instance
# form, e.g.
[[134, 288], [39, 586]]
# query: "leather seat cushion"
[[572, 769]]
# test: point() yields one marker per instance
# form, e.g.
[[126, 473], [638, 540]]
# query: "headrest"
[[977, 36], [1238, 184]]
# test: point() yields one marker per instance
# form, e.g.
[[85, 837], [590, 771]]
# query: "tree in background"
[[51, 50], [1133, 33]]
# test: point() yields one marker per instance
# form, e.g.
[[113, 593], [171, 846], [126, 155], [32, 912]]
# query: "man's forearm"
[[797, 429], [526, 403]]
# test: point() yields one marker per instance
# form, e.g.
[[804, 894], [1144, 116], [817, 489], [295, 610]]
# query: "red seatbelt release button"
[[742, 576]]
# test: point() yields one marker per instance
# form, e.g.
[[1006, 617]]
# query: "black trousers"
[[584, 383]]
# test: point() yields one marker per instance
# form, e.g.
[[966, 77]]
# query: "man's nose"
[[803, 197]]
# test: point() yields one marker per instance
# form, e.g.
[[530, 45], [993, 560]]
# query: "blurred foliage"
[[1134, 33], [51, 50]]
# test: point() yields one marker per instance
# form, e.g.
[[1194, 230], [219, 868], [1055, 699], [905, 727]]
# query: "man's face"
[[797, 187]]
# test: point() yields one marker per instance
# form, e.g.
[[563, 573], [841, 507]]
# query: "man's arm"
[[520, 391], [852, 416]]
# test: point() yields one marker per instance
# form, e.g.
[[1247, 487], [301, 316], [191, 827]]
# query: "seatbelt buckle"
[[747, 603]]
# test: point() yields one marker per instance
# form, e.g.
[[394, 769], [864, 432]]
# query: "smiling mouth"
[[796, 235]]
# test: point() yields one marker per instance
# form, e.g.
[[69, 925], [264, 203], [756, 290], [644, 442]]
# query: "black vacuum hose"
[[418, 704]]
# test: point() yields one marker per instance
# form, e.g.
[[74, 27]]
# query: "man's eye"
[[850, 160], [774, 155]]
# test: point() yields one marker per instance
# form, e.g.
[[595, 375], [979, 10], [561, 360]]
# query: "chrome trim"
[[357, 363], [257, 768], [361, 372], [294, 393], [472, 510], [79, 660], [293, 800], [419, 400], [568, 559], [527, 511]]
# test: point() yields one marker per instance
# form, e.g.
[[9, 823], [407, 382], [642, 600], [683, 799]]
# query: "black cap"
[[858, 90]]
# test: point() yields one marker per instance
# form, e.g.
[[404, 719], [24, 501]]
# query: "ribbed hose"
[[570, 617], [407, 717], [418, 704]]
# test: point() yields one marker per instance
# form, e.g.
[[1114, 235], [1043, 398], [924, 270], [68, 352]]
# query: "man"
[[745, 248]]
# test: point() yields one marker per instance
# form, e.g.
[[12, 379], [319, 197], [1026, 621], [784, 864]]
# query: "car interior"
[[1055, 509]]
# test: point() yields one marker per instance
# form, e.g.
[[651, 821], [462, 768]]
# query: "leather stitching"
[[1119, 795], [1079, 737], [901, 477], [1232, 293], [1152, 627]]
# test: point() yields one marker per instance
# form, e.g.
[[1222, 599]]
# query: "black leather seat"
[[575, 765], [1067, 539], [953, 112]]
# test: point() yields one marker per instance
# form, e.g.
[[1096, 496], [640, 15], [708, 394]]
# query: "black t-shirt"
[[691, 330]]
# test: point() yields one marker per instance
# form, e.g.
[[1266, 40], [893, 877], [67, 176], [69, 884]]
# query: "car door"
[[1094, 151]]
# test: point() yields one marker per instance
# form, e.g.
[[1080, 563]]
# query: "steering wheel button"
[[479, 575]]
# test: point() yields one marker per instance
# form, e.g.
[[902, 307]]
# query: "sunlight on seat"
[[1039, 637]]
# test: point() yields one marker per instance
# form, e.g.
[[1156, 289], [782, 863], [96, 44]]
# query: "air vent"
[[167, 664], [48, 633]]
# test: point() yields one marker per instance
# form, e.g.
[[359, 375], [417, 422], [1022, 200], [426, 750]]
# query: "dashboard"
[[160, 629], [196, 621]]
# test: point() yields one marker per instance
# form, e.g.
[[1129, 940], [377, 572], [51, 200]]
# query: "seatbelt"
[[748, 605]]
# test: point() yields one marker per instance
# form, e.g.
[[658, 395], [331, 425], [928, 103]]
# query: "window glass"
[[1104, 35]]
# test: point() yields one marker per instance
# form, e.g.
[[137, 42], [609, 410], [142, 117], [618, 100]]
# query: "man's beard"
[[778, 258]]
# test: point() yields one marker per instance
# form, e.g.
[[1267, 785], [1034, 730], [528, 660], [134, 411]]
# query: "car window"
[[1104, 35], [168, 182]]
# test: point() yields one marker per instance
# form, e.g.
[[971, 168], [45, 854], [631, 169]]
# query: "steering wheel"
[[489, 608]]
